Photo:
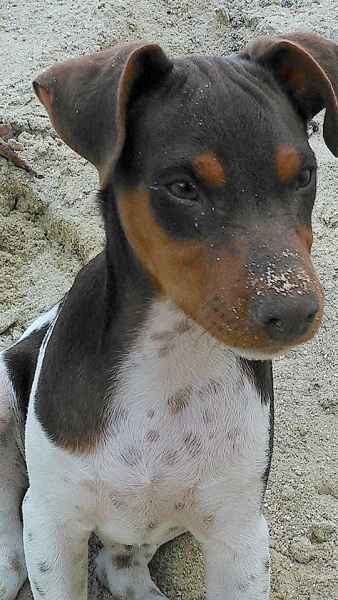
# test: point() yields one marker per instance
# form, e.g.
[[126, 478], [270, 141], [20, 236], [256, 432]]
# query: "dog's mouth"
[[264, 306], [261, 354], [264, 325]]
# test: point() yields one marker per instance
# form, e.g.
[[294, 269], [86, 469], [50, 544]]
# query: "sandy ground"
[[50, 227]]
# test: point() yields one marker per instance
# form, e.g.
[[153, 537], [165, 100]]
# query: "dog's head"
[[212, 173]]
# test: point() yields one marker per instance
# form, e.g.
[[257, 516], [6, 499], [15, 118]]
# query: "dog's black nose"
[[286, 318]]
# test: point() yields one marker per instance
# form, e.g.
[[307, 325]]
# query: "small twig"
[[7, 152]]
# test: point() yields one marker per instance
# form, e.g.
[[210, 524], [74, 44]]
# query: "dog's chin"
[[257, 354]]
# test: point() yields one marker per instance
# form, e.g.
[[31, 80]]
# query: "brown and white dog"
[[148, 388]]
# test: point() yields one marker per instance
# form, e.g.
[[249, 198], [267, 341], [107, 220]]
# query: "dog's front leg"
[[13, 483], [12, 486], [56, 549], [238, 569], [56, 528]]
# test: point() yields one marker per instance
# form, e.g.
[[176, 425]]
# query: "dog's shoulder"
[[19, 360]]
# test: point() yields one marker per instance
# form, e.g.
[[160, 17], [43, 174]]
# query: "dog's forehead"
[[229, 107]]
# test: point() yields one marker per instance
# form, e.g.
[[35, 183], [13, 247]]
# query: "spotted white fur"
[[186, 448], [13, 479]]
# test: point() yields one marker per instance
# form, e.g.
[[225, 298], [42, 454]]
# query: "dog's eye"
[[184, 190], [304, 178]]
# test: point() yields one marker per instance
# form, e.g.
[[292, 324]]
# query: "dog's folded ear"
[[87, 98], [306, 66]]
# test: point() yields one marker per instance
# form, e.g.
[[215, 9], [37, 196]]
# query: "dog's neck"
[[128, 288]]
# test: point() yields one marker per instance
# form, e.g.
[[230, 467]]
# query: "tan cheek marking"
[[288, 162], [189, 275], [186, 273], [210, 169], [178, 268], [225, 313], [211, 286]]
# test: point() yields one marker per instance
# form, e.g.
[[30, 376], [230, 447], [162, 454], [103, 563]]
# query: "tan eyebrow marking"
[[210, 169], [288, 162]]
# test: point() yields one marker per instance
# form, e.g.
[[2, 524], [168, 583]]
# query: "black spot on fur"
[[170, 457], [44, 567], [39, 589], [178, 402], [245, 585], [260, 373], [193, 443], [152, 435], [131, 455], [123, 561]]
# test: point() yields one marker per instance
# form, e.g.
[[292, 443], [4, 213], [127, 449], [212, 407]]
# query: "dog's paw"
[[13, 571], [125, 573]]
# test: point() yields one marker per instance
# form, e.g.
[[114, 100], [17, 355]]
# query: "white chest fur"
[[187, 432]]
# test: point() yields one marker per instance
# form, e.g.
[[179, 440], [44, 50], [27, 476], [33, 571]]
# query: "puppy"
[[148, 388]]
